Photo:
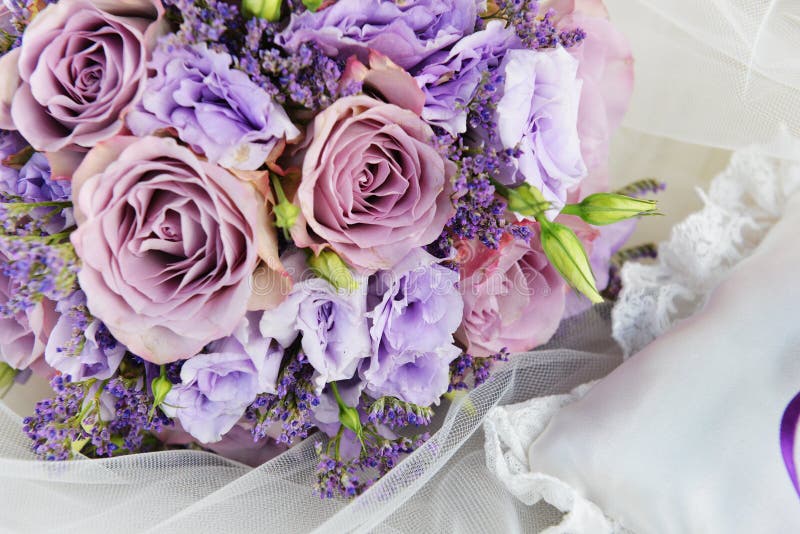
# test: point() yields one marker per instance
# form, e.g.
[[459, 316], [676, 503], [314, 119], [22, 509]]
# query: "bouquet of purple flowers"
[[226, 226]]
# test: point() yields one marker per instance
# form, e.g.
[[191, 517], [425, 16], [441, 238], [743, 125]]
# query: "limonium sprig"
[[291, 406]]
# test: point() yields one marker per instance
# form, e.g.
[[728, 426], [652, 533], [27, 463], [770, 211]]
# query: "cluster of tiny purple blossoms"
[[362, 180]]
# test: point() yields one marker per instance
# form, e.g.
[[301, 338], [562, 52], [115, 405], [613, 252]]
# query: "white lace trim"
[[743, 202], [510, 432]]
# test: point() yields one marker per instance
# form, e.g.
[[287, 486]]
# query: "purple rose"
[[450, 78], [168, 245], [332, 324], [373, 186], [214, 108], [80, 66], [80, 345], [217, 387], [23, 335], [537, 117], [415, 308], [406, 32]]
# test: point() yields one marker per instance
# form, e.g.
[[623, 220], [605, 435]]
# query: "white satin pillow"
[[685, 436]]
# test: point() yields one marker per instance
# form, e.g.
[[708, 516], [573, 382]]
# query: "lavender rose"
[[406, 32], [332, 324], [168, 244], [217, 110], [450, 78], [537, 118], [80, 66], [513, 297], [415, 308], [81, 346], [373, 185], [217, 387], [23, 335]]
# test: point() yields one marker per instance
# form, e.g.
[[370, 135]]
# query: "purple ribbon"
[[789, 421]]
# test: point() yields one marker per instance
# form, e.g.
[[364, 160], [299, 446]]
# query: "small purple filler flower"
[[218, 110], [415, 308], [406, 32]]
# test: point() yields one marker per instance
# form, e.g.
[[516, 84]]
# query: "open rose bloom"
[[227, 228]]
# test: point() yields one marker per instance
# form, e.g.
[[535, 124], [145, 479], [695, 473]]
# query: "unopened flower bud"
[[607, 208], [161, 386], [263, 9], [329, 266], [566, 253]]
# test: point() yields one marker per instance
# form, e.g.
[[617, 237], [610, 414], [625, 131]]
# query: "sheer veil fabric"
[[718, 73]]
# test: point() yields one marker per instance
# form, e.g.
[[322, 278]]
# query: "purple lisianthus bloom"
[[537, 119], [217, 387], [332, 323], [216, 109], [35, 184], [10, 143], [406, 32], [450, 78], [415, 309], [81, 346]]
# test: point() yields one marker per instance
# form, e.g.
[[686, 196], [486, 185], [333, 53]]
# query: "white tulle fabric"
[[720, 73], [443, 487]]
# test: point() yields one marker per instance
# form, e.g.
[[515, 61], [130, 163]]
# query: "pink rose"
[[513, 297], [605, 65], [23, 336], [373, 186], [80, 66], [168, 245]]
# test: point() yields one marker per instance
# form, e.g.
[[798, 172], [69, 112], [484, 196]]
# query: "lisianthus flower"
[[406, 32], [414, 310], [450, 78], [81, 346], [216, 387], [216, 109], [537, 120], [332, 324]]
